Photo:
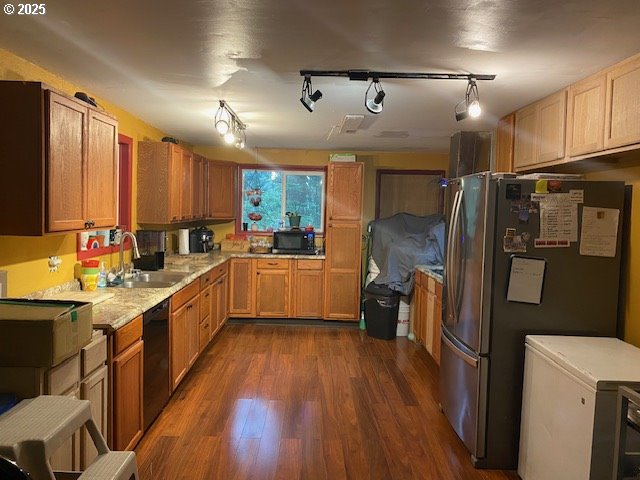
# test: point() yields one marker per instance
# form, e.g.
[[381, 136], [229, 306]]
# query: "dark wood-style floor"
[[297, 402]]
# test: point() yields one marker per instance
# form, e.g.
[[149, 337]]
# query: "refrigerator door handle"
[[469, 360], [448, 263], [459, 265]]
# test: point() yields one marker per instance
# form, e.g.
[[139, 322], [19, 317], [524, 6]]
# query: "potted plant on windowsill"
[[294, 219]]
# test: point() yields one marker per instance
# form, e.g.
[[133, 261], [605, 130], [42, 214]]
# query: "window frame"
[[287, 169]]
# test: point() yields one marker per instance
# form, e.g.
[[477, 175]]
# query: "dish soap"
[[102, 275]]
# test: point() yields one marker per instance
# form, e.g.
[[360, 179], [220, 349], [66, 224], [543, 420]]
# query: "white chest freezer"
[[569, 393]]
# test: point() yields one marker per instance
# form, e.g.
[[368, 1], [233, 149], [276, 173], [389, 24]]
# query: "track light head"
[[228, 125], [374, 105], [470, 106], [309, 99]]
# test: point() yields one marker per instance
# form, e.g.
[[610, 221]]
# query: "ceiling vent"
[[351, 123]]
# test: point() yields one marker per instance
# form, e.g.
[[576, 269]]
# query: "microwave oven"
[[294, 242]]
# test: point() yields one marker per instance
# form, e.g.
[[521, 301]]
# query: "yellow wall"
[[25, 258], [631, 313]]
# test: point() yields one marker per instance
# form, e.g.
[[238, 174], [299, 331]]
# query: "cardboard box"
[[42, 333]]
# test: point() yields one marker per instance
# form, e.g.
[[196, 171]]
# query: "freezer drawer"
[[463, 394]]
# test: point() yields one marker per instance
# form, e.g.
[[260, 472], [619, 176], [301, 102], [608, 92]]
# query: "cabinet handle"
[[272, 263], [206, 296]]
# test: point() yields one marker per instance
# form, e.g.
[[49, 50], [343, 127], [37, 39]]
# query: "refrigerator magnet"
[[526, 279], [512, 243]]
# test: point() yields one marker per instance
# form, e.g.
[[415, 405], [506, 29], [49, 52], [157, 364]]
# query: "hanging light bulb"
[[229, 126], [470, 106], [222, 119]]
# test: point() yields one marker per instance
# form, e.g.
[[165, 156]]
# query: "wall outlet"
[[54, 263], [3, 283]]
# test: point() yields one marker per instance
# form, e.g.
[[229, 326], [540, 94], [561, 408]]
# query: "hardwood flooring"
[[297, 402]]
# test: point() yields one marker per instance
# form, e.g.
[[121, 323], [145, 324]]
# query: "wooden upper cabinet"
[[198, 187], [344, 191], [585, 116], [160, 182], [66, 146], [504, 143], [186, 188], [551, 127], [622, 117], [524, 146], [222, 190], [102, 169]]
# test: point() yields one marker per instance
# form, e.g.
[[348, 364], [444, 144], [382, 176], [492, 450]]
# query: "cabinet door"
[[222, 190], [344, 191], [127, 394], [429, 319], [175, 183], [95, 389], [622, 125], [178, 341], [193, 331], [198, 186], [272, 293], [186, 207], [437, 323], [66, 148], [552, 114], [585, 116], [223, 300], [241, 288], [101, 170], [342, 271], [308, 287], [504, 143], [524, 146]]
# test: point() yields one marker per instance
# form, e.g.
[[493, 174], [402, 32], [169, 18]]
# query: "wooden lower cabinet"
[[94, 388], [308, 288], [427, 313], [206, 316], [272, 288], [241, 288], [67, 456], [127, 394], [184, 329]]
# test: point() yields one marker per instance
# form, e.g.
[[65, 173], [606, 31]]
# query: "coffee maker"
[[200, 240], [152, 245]]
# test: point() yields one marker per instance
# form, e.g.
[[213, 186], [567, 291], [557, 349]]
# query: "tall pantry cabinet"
[[343, 241]]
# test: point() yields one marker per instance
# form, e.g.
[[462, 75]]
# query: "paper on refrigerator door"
[[558, 217], [599, 234]]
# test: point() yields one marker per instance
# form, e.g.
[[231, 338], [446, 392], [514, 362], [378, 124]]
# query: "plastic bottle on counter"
[[102, 275]]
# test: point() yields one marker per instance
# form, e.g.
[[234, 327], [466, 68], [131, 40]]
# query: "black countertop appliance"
[[200, 240]]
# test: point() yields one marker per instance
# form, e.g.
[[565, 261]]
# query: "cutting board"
[[80, 296]]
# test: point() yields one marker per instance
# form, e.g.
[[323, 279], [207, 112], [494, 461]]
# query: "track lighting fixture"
[[309, 99], [229, 126], [470, 106], [374, 105]]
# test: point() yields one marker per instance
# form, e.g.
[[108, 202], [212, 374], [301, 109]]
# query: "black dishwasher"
[[155, 334]]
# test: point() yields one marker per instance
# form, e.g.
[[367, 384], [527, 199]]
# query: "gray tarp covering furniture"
[[401, 242]]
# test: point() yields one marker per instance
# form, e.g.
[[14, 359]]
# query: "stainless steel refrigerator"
[[523, 256]]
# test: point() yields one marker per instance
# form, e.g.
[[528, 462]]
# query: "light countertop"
[[431, 271], [128, 303]]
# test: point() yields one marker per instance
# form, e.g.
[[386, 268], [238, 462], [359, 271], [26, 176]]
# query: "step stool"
[[34, 429]]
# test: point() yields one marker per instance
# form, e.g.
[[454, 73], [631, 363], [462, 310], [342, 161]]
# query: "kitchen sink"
[[152, 280]]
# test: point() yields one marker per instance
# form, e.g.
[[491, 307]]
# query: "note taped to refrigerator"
[[599, 233], [558, 217], [526, 278]]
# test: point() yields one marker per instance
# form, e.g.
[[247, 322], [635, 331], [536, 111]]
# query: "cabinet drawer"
[[273, 263], [219, 271], [205, 303], [64, 377], [127, 335], [93, 355], [310, 264], [205, 280], [184, 295]]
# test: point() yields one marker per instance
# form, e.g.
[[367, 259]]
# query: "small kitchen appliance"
[[297, 242], [200, 240], [152, 245]]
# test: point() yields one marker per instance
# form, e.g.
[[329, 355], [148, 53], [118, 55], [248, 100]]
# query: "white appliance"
[[569, 405]]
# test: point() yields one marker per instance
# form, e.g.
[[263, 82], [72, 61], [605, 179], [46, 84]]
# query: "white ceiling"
[[169, 62]]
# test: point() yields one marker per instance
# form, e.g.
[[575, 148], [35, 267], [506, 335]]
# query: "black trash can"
[[381, 311]]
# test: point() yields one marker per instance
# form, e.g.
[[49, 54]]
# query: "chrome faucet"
[[134, 250]]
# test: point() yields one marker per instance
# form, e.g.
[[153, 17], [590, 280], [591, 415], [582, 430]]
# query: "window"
[[268, 194]]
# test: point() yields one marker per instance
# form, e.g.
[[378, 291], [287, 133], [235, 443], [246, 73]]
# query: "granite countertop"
[[432, 271], [128, 303]]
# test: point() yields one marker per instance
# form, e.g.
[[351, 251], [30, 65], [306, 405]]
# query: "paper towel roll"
[[183, 241]]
